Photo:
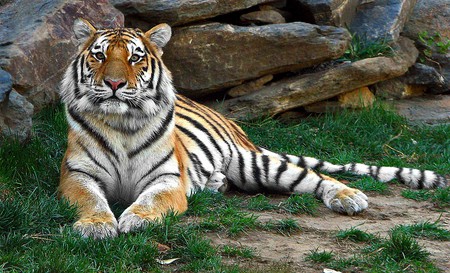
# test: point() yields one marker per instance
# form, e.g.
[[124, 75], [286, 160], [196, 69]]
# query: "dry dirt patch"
[[275, 251]]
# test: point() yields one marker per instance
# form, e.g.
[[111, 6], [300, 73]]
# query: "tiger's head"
[[118, 71]]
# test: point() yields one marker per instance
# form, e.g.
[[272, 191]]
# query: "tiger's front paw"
[[97, 226], [136, 217], [347, 200]]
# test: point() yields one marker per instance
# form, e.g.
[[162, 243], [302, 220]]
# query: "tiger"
[[132, 139]]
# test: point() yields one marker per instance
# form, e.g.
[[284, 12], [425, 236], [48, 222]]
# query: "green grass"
[[440, 197], [35, 226], [427, 229], [369, 184], [301, 204], [355, 235], [260, 203], [361, 48], [234, 251], [284, 226], [399, 252], [317, 256]]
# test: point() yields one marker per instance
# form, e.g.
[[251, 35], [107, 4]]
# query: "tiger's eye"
[[100, 56], [134, 58]]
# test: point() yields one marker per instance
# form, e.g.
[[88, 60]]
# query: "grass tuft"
[[283, 226], [355, 235], [401, 246], [370, 184], [427, 229], [235, 251], [317, 256], [260, 203], [301, 204], [441, 196], [361, 48]]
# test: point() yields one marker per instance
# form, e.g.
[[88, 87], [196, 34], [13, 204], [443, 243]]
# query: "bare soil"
[[279, 253]]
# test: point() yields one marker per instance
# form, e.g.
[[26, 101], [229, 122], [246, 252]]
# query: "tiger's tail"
[[262, 170], [413, 178]]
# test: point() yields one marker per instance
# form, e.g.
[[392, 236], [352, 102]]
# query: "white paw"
[[130, 221], [348, 200], [96, 229], [217, 182]]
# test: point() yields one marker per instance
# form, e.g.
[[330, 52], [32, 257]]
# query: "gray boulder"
[[37, 42], [178, 12], [210, 57], [382, 19], [5, 84], [15, 111], [328, 12], [431, 16]]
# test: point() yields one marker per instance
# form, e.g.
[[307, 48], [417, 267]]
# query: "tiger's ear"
[[83, 29], [159, 35]]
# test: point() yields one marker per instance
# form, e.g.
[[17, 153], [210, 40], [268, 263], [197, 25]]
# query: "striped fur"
[[133, 140]]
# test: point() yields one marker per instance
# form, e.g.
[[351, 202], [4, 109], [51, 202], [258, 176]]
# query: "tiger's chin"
[[114, 106]]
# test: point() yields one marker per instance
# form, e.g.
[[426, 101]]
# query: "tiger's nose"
[[115, 84]]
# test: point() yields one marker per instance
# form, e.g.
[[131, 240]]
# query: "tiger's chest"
[[128, 163]]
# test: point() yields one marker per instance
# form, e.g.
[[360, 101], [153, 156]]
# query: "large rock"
[[178, 12], [431, 16], [305, 89], [328, 12], [37, 42], [428, 109], [382, 19], [5, 84], [15, 111], [419, 79], [205, 58], [263, 17]]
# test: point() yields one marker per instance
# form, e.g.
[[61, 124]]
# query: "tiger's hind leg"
[[255, 171]]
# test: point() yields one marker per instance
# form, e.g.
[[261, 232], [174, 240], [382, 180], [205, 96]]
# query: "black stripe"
[[265, 160], [285, 157], [422, 179], [299, 179], [157, 134], [194, 163], [200, 144], [82, 68], [377, 173], [93, 133], [152, 68], [199, 165], [242, 168], [116, 170], [399, 177], [99, 182], [75, 78], [317, 189], [92, 158], [319, 164], [156, 166], [199, 126], [281, 169], [158, 83], [301, 162], [256, 171], [154, 179]]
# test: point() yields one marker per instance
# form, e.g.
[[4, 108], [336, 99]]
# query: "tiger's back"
[[133, 140]]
